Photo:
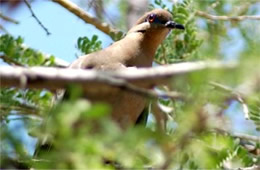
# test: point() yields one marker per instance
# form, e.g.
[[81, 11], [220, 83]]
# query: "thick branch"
[[104, 27], [92, 80], [227, 18]]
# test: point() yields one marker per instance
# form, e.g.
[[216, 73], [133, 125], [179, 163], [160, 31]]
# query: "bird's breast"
[[134, 53]]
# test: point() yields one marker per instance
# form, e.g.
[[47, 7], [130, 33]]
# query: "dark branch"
[[35, 17]]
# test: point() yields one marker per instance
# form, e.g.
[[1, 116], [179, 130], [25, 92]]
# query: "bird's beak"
[[171, 24]]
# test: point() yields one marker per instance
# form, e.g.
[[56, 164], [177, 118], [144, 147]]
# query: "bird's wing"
[[109, 58]]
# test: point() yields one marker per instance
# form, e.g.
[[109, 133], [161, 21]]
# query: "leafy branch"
[[14, 52]]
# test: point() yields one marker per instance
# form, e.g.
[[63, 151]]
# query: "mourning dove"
[[136, 49]]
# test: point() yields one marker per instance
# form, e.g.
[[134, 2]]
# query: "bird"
[[136, 50]]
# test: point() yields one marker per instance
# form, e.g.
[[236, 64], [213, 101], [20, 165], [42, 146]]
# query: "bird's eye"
[[151, 18]]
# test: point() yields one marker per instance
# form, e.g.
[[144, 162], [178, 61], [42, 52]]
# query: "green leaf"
[[86, 46]]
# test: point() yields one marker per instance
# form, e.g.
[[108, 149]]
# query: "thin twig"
[[6, 18], [254, 167], [246, 136], [151, 93], [238, 135], [23, 118], [3, 29], [10, 60], [238, 96], [164, 54], [35, 17], [73, 8], [227, 18]]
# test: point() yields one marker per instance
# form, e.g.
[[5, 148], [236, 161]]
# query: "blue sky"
[[65, 29]]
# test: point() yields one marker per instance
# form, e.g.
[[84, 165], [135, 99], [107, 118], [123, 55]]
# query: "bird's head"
[[153, 27], [155, 21]]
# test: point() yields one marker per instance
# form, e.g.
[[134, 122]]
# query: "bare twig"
[[238, 135], [254, 167], [104, 27], [163, 56], [246, 136], [222, 87], [6, 18], [150, 93], [35, 17], [22, 117], [238, 96], [227, 18], [3, 29]]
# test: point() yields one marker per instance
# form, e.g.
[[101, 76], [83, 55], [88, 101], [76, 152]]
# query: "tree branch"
[[73, 8], [58, 78], [252, 138], [35, 17], [58, 62], [3, 29], [236, 94], [227, 18], [21, 109], [246, 137], [10, 60], [6, 18], [254, 167]]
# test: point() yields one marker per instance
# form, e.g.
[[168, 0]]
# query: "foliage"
[[179, 46], [16, 101], [199, 132], [18, 53], [86, 45]]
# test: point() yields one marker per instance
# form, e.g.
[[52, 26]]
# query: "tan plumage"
[[136, 49]]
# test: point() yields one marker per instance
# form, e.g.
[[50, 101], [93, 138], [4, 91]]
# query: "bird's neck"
[[151, 42], [144, 45]]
